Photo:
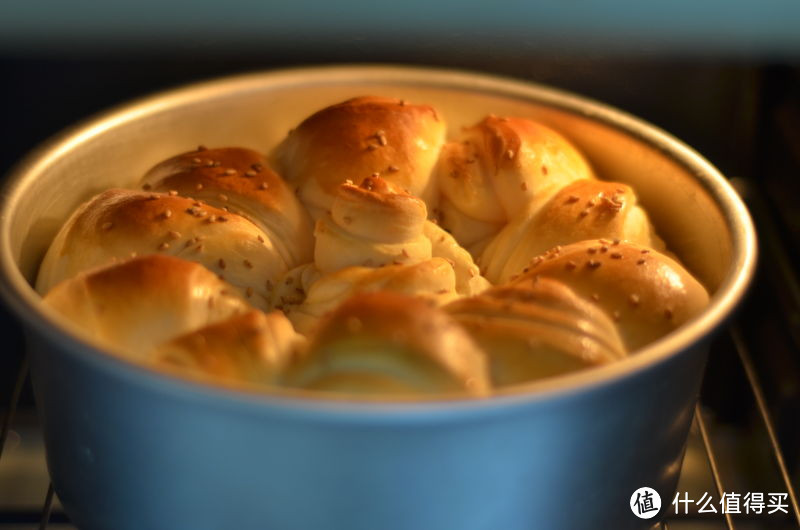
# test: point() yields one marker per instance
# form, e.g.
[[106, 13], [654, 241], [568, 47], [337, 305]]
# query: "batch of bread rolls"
[[372, 254]]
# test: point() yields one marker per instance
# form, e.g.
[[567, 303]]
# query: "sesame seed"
[[510, 154], [263, 186], [615, 315], [173, 234], [592, 250], [634, 299], [172, 193], [212, 219], [616, 255], [347, 219], [222, 219], [257, 167], [199, 186], [201, 147], [570, 265], [216, 163], [593, 264], [134, 254], [260, 239], [645, 251], [248, 264], [620, 190], [591, 203], [199, 248], [209, 163], [196, 160], [604, 248], [393, 169], [595, 297], [616, 242], [640, 261], [573, 199], [163, 246], [524, 186], [405, 253], [371, 147], [107, 226], [223, 197], [583, 213], [152, 197], [147, 187], [249, 173], [221, 263], [167, 214], [230, 171]]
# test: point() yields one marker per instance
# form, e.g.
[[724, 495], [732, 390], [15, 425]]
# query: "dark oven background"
[[733, 93]]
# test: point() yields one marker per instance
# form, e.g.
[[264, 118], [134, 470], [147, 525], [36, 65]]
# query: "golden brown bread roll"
[[117, 224], [647, 293], [306, 298], [371, 225], [132, 306], [385, 344], [585, 209], [241, 181], [537, 328], [497, 168], [358, 138], [251, 347]]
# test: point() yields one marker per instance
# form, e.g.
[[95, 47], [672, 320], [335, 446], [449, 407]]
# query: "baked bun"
[[305, 302], [370, 225], [241, 181], [358, 138], [585, 209], [117, 224], [131, 307], [497, 168], [250, 347], [647, 293], [537, 328], [385, 344]]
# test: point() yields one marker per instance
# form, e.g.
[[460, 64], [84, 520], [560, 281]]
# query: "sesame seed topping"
[[616, 255], [166, 214], [260, 239], [222, 219], [620, 190], [634, 299], [593, 263], [134, 254], [573, 199], [263, 186], [393, 169], [221, 264], [230, 171], [616, 242], [196, 160], [147, 187], [595, 297], [248, 264], [152, 197], [173, 234], [570, 265], [212, 219], [592, 250], [604, 248], [199, 248], [510, 154], [615, 315], [249, 173], [209, 163], [199, 186], [347, 219], [645, 251], [163, 246], [201, 147], [590, 203], [223, 197], [107, 225], [524, 186], [257, 167], [172, 193], [583, 213], [641, 261], [188, 243], [404, 253]]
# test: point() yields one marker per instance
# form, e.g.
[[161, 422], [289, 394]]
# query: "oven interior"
[[739, 108]]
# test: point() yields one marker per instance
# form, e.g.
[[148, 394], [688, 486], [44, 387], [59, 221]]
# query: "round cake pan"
[[130, 448]]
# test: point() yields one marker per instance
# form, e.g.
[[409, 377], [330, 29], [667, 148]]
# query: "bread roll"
[[647, 293], [384, 344], [132, 306], [370, 225], [251, 347], [241, 181], [357, 138], [497, 168], [117, 224], [432, 279], [585, 209], [537, 328]]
